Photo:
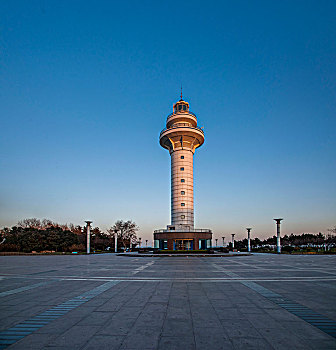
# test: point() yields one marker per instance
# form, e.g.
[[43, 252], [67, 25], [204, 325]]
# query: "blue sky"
[[86, 87]]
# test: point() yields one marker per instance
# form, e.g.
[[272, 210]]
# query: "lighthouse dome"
[[181, 107]]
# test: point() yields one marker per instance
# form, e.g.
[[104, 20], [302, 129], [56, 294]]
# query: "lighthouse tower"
[[181, 137]]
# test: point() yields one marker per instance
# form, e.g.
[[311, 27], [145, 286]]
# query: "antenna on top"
[[181, 93]]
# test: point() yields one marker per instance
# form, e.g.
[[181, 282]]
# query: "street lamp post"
[[216, 241], [278, 222], [223, 238], [116, 241], [248, 239], [146, 242], [88, 223]]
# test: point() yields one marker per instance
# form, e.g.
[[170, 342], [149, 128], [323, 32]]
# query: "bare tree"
[[332, 230], [30, 223], [126, 231], [46, 223]]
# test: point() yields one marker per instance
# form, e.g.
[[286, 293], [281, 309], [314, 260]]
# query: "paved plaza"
[[105, 301]]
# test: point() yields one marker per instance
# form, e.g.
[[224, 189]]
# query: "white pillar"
[[233, 234], [248, 239], [278, 221], [88, 238], [115, 241]]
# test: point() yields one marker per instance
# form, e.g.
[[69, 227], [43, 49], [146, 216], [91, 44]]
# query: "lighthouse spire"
[[181, 94]]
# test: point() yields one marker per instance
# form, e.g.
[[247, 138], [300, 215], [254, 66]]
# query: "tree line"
[[35, 235], [292, 242]]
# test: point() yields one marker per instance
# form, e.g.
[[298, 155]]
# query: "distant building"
[[181, 137]]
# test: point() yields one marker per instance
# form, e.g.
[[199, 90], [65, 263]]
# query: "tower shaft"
[[182, 189]]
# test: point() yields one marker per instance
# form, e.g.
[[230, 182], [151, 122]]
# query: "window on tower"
[[182, 204], [182, 193], [184, 107], [182, 216], [182, 157], [182, 180], [182, 169]]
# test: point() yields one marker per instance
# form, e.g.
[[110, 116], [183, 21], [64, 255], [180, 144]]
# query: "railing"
[[184, 230], [183, 125], [183, 112]]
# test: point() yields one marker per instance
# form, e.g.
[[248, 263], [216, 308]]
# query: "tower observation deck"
[[181, 137]]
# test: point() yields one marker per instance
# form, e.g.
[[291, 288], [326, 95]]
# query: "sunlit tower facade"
[[181, 137]]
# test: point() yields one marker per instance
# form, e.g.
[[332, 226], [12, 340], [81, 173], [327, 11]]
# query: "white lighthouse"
[[181, 137]]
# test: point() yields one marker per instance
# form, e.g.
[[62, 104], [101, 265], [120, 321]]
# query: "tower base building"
[[170, 239], [181, 137]]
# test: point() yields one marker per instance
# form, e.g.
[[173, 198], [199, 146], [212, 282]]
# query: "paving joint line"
[[22, 329], [306, 314], [142, 267], [24, 289]]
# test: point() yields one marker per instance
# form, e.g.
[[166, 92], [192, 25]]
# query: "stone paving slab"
[[179, 303]]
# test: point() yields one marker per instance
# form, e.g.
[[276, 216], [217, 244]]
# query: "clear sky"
[[85, 88]]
